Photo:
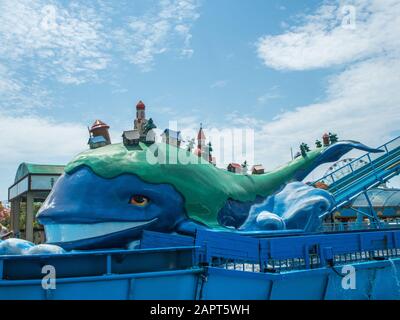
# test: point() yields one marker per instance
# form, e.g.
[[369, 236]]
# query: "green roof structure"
[[25, 169]]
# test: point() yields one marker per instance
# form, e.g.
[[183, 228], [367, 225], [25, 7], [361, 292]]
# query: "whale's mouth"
[[56, 233]]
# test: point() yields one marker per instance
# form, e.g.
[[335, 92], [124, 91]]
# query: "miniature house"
[[235, 168], [258, 169], [143, 130], [100, 129], [97, 142], [131, 137], [99, 135], [325, 139], [172, 137], [150, 137]]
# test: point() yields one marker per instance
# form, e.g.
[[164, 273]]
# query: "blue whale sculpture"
[[107, 197]]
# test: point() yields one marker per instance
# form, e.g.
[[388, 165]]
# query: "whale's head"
[[86, 211]]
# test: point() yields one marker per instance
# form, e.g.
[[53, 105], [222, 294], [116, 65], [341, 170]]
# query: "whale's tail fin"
[[334, 153]]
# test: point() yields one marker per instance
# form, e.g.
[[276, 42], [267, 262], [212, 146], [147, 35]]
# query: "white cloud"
[[53, 40], [362, 101], [158, 31], [47, 41], [323, 39], [33, 139], [359, 107], [28, 138], [18, 94]]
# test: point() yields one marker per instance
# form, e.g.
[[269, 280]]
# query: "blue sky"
[[289, 70]]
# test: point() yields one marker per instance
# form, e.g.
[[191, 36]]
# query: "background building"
[[386, 203], [32, 184]]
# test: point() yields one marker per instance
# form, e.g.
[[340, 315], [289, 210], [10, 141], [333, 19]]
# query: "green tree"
[[149, 125], [190, 145], [244, 167], [333, 138], [304, 148]]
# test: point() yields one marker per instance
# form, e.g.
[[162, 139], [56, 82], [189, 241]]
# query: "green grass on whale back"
[[204, 187]]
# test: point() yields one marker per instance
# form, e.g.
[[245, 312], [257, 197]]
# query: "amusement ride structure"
[[118, 227]]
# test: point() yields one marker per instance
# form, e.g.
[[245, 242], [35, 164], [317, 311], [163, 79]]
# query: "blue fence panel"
[[287, 253], [98, 263], [151, 239], [227, 246]]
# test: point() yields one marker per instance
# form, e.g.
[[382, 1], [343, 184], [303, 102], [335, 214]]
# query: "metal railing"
[[352, 226], [300, 252], [367, 160]]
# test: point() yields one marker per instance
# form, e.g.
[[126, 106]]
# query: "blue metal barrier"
[[151, 239], [217, 266], [85, 264], [289, 253]]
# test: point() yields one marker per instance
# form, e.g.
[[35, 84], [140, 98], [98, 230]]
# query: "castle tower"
[[140, 121], [140, 110], [99, 128], [201, 138], [201, 150]]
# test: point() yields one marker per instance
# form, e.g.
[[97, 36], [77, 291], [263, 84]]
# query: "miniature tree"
[[190, 145], [209, 151], [244, 167], [304, 148], [333, 138], [318, 144], [149, 126]]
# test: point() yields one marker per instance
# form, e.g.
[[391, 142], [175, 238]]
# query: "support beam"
[[362, 213], [371, 207], [29, 217], [15, 208]]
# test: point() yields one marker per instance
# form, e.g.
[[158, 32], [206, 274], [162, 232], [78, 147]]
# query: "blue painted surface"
[[374, 280], [297, 206], [85, 211], [83, 199], [211, 267], [98, 139]]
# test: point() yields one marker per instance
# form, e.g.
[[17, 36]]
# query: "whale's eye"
[[140, 201]]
